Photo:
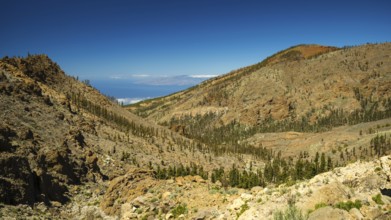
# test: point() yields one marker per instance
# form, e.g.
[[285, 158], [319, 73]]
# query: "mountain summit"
[[304, 82]]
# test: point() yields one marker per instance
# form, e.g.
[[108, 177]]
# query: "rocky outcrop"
[[328, 212], [47, 181], [38, 67], [351, 192], [17, 181], [126, 188], [6, 134]]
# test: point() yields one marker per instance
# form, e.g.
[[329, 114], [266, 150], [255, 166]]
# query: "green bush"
[[378, 199], [179, 210], [320, 205], [243, 208], [154, 199], [291, 213], [232, 191], [348, 205]]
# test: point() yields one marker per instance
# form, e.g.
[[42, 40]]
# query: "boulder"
[[127, 212], [329, 193], [139, 201], [169, 216], [201, 215], [385, 216], [371, 212], [93, 212], [327, 213], [246, 196], [256, 189], [166, 196], [198, 179], [237, 204], [179, 181], [356, 214]]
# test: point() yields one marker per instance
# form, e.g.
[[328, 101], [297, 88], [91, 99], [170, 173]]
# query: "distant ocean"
[[127, 92]]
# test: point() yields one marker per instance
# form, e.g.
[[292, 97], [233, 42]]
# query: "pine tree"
[[316, 161], [329, 163], [322, 166]]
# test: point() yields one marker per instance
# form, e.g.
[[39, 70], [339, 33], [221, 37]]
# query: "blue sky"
[[157, 38]]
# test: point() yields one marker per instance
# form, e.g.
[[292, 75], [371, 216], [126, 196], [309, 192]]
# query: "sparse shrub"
[[320, 205], [232, 191], [378, 199], [290, 182], [179, 210], [243, 208], [213, 191], [283, 191], [291, 213], [139, 210], [291, 200], [348, 205], [125, 156]]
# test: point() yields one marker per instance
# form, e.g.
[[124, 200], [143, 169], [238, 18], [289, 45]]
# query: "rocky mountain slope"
[[58, 135], [306, 88], [290, 85], [256, 143], [206, 97]]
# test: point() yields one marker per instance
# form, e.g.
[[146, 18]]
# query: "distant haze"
[[96, 39], [131, 90]]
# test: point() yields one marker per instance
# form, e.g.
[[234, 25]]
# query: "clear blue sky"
[[98, 39]]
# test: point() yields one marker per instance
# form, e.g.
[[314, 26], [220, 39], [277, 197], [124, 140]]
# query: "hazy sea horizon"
[[128, 92]]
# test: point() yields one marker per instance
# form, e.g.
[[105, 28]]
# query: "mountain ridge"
[[279, 76], [315, 50], [229, 148]]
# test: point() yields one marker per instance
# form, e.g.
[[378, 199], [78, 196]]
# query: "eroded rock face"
[[50, 188], [16, 181], [5, 134], [30, 174], [126, 188], [58, 161], [20, 184]]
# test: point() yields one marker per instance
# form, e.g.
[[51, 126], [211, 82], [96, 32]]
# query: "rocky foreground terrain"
[[351, 192], [69, 152]]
